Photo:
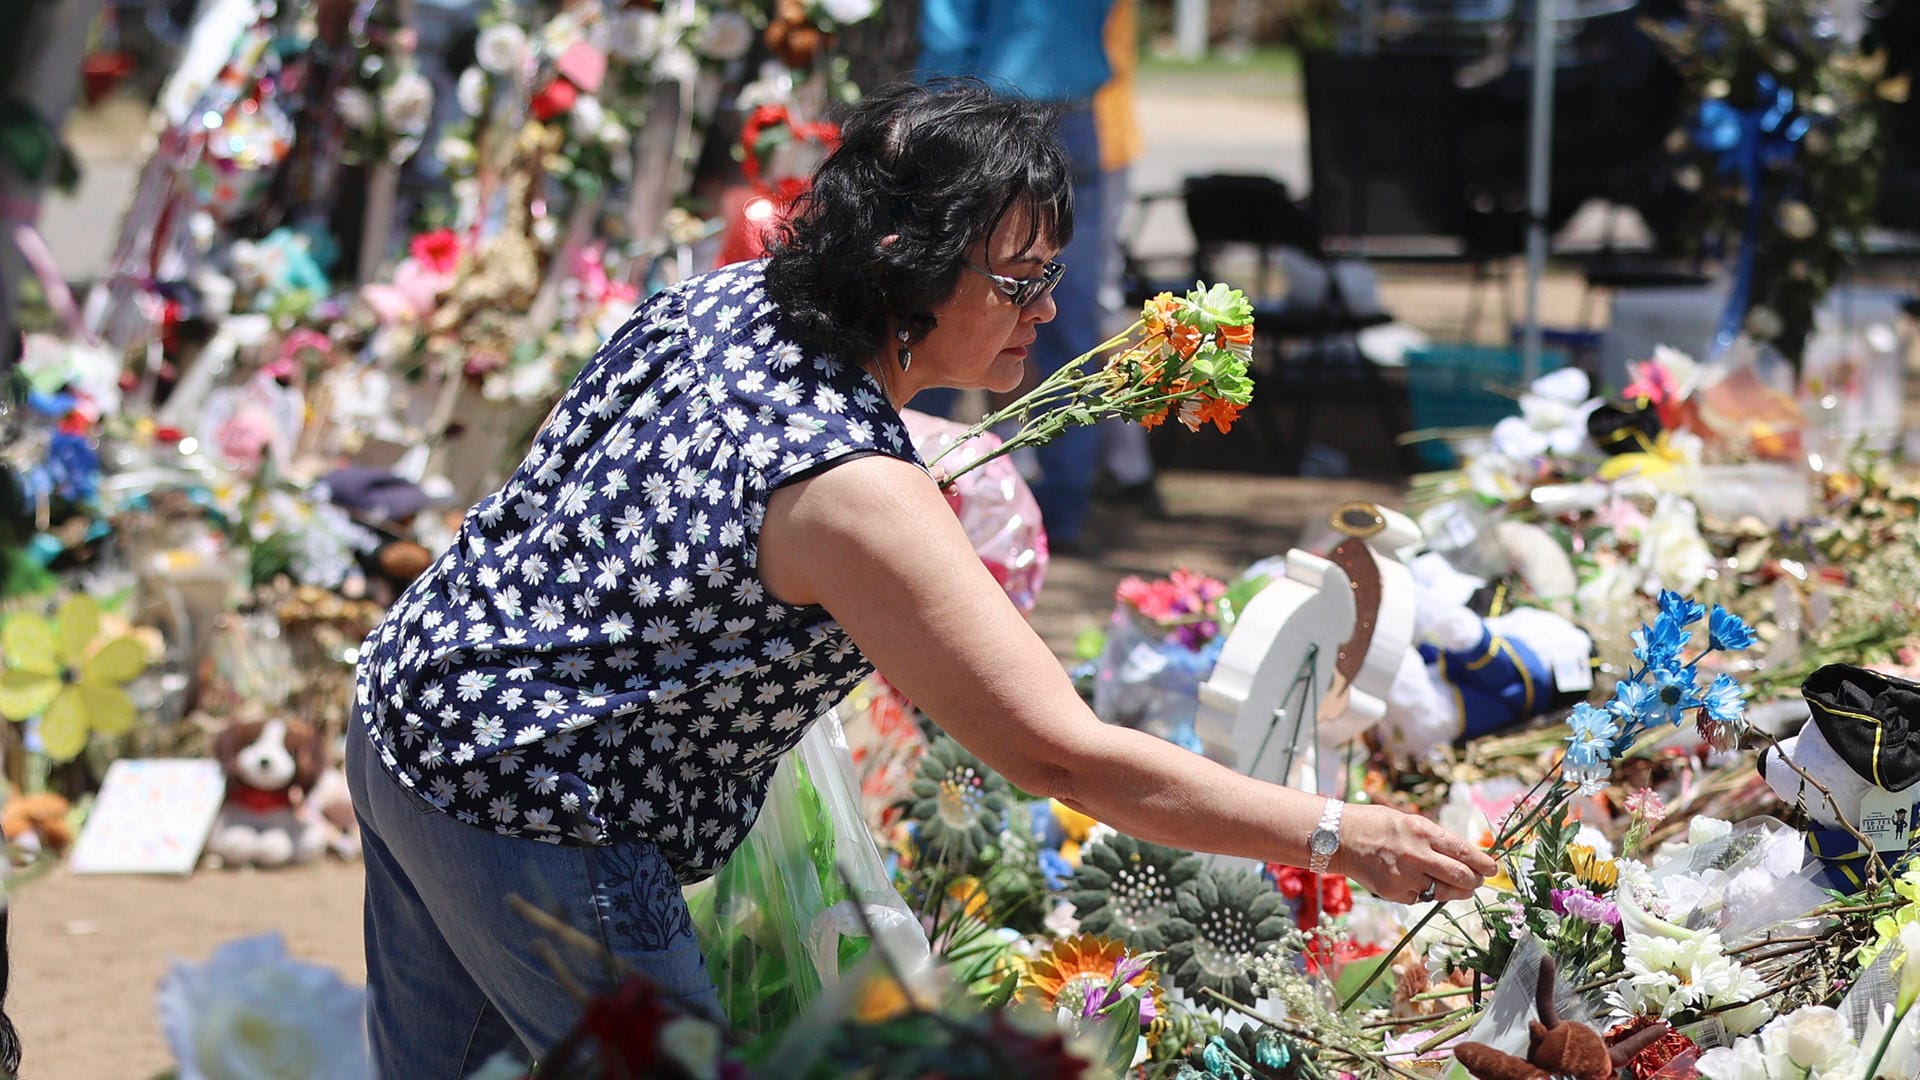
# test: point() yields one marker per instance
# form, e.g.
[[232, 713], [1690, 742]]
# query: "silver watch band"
[[1326, 837]]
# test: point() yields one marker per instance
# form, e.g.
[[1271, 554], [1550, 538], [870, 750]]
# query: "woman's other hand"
[[1396, 855]]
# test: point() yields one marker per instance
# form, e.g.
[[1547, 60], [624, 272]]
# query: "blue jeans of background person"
[[454, 974], [1070, 463]]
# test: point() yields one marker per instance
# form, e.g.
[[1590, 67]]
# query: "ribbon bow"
[[1747, 142]]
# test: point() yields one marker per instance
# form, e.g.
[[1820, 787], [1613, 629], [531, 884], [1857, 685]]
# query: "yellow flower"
[[970, 895], [59, 671], [1663, 457], [1598, 874], [1502, 881]]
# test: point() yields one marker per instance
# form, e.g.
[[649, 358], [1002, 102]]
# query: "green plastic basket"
[[1459, 386]]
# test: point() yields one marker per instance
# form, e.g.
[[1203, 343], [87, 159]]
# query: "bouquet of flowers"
[[1185, 357], [1162, 641]]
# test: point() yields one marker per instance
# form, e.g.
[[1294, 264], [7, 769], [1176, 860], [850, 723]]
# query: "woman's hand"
[[1397, 854]]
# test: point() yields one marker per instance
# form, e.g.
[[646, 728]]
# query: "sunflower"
[[961, 805], [1225, 919], [1076, 972], [1127, 889], [63, 671]]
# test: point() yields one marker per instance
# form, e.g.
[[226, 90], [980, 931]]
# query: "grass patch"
[[1264, 71]]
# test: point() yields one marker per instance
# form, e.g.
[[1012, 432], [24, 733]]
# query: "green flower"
[[1225, 373], [961, 804], [1225, 919], [1219, 306], [60, 671], [1127, 889]]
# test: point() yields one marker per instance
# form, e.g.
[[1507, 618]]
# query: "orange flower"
[[1221, 412], [1184, 339], [1159, 312], [1155, 419], [1237, 335], [1069, 973]]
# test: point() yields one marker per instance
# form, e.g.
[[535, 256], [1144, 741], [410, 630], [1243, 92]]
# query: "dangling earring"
[[906, 354]]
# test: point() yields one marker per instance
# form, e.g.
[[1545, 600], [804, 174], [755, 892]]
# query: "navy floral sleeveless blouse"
[[595, 658]]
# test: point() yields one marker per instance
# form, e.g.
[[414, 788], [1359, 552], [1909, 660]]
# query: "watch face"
[[1325, 843]]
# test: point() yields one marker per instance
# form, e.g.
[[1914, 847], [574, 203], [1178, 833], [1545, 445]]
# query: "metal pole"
[[1539, 164], [1190, 29]]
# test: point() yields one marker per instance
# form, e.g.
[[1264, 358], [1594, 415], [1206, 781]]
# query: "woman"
[[718, 531]]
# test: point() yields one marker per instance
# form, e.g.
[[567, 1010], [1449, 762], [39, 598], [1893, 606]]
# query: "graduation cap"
[[1871, 720], [375, 493]]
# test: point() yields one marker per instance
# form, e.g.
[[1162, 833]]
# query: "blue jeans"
[[454, 974]]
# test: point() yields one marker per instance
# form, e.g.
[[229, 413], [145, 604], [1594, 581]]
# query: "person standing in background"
[[1053, 52], [1124, 453]]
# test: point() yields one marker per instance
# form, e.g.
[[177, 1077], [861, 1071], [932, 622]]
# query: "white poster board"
[[152, 817]]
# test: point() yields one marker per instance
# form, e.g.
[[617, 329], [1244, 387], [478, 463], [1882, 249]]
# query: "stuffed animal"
[[1557, 1049], [1468, 676], [330, 805], [36, 823], [270, 766], [1862, 745]]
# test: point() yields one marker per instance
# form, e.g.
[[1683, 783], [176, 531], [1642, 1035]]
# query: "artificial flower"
[[64, 672], [726, 36], [961, 804], [501, 48], [251, 1011], [471, 91], [407, 104], [1129, 890], [354, 107], [1224, 920]]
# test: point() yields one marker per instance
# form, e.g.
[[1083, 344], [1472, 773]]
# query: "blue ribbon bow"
[[1748, 142]]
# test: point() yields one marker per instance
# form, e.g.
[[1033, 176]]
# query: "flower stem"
[[1886, 1041]]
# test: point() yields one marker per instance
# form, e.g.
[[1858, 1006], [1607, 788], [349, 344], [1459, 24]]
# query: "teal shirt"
[[1047, 50]]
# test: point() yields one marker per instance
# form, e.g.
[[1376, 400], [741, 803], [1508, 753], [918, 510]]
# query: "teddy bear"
[[1558, 1048], [1862, 744], [270, 766], [1469, 676]]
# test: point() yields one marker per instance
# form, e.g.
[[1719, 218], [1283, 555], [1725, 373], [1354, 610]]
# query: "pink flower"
[[438, 251], [1647, 803]]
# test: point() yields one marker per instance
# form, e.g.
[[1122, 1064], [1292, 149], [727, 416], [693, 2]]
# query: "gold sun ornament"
[[66, 672]]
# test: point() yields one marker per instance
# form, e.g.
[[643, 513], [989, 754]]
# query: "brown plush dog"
[[270, 766], [1554, 1048]]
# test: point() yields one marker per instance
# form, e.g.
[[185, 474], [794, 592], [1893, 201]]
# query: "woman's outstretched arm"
[[874, 543]]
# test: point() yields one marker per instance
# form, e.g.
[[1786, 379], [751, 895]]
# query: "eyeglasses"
[[1024, 292]]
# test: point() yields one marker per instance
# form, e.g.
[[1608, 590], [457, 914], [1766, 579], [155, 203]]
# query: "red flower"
[[554, 100], [438, 251], [1336, 897]]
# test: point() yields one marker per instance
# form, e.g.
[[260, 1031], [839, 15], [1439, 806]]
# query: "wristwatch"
[[1326, 837]]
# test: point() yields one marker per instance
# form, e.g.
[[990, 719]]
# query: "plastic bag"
[[994, 506], [788, 913]]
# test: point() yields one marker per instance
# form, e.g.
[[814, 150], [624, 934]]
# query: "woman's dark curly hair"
[[937, 166]]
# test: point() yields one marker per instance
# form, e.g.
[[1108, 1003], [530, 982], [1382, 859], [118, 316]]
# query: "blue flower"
[[1684, 611], [1593, 733], [1725, 700], [1725, 630], [1675, 695], [1055, 868], [1658, 646], [1633, 702]]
